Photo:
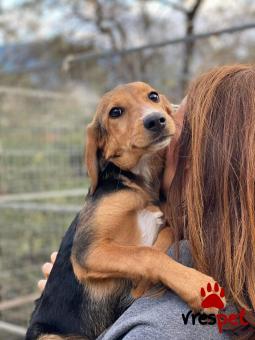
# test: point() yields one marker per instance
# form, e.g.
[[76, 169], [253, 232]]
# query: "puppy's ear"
[[170, 108], [91, 153]]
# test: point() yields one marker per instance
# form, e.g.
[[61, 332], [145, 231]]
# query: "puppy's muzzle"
[[154, 122]]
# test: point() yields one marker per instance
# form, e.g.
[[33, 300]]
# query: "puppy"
[[115, 246]]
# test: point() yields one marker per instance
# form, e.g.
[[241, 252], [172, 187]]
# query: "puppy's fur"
[[109, 253]]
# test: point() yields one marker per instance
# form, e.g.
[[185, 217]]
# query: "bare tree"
[[190, 15], [104, 17]]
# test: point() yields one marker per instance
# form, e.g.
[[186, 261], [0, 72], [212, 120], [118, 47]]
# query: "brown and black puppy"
[[116, 244]]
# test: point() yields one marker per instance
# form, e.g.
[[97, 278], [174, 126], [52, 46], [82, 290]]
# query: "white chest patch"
[[149, 224]]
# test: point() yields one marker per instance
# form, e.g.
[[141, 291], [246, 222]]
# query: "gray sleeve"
[[161, 317]]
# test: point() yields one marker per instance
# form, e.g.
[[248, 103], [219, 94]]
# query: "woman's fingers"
[[53, 256], [41, 284], [46, 269]]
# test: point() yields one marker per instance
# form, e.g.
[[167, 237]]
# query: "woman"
[[209, 183]]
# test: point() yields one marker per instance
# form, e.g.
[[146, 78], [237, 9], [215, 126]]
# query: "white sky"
[[8, 4]]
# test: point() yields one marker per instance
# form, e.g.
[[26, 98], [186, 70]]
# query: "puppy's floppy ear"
[[91, 153]]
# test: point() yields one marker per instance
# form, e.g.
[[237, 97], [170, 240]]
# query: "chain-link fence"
[[42, 176]]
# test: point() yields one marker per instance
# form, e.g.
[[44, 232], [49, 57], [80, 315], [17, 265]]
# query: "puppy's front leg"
[[110, 260], [163, 242]]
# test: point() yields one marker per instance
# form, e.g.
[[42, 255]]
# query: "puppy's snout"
[[154, 122]]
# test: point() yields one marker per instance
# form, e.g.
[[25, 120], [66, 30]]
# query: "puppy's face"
[[132, 120]]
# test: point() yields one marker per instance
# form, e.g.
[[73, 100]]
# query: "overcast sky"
[[51, 22]]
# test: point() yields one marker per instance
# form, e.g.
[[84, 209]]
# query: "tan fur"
[[164, 240], [115, 210]]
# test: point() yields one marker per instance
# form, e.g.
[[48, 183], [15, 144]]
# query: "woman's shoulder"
[[184, 256], [160, 317]]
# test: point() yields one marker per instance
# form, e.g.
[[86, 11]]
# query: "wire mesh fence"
[[42, 185], [27, 238], [41, 143], [42, 176]]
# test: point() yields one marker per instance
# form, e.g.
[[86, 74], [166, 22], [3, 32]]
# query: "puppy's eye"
[[116, 112], [154, 96]]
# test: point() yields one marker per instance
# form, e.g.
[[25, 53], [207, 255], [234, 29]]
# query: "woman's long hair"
[[215, 209]]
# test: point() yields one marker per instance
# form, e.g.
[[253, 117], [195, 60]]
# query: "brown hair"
[[216, 203]]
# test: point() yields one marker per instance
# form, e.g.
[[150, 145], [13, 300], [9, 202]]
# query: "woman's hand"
[[172, 154], [46, 269]]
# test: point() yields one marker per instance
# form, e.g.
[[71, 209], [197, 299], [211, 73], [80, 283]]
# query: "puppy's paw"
[[209, 300], [141, 288]]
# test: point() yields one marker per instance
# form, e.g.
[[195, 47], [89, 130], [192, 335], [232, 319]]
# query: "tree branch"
[[77, 12], [194, 10], [189, 46]]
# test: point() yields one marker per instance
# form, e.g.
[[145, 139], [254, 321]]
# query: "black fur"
[[65, 307]]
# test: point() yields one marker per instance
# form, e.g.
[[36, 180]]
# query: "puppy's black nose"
[[154, 122]]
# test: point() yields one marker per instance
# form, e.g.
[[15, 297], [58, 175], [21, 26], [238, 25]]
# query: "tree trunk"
[[189, 45]]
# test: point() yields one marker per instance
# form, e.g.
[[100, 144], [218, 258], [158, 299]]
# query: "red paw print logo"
[[213, 297]]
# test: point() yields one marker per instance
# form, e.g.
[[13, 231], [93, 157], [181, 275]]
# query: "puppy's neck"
[[143, 168], [110, 170], [148, 172], [150, 169]]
